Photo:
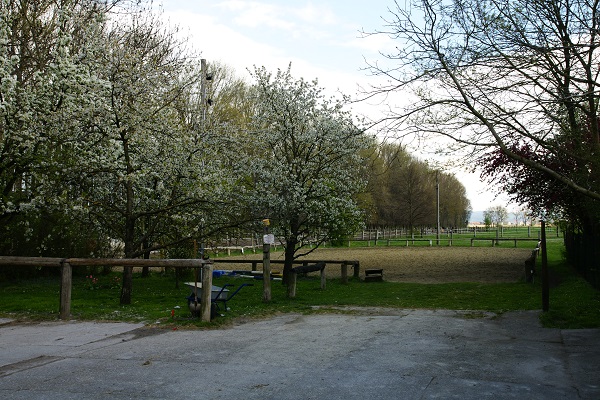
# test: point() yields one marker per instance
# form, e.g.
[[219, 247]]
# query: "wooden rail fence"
[[496, 240], [67, 264]]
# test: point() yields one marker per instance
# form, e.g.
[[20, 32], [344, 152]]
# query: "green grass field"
[[156, 300]]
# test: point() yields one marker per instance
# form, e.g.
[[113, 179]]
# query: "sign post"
[[268, 239]]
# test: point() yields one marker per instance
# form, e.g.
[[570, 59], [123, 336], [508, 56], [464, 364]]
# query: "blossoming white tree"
[[151, 175], [103, 122], [47, 99], [309, 170]]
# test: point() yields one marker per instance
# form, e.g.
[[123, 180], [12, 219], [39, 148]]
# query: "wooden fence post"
[[66, 281], [206, 297], [323, 280]]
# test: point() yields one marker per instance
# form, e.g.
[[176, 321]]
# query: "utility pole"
[[203, 88], [204, 77]]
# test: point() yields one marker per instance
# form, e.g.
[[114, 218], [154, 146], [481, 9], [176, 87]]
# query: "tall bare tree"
[[502, 78], [497, 215]]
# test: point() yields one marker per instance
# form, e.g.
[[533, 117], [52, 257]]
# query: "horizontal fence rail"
[[67, 264], [496, 240]]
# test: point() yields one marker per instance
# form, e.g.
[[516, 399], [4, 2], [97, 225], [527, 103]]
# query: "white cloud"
[[256, 14], [316, 15], [217, 41], [253, 14], [307, 21]]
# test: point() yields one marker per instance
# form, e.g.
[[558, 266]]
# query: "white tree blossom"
[[47, 85], [309, 170]]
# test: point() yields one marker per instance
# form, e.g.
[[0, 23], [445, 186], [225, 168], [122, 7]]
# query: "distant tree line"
[[403, 192]]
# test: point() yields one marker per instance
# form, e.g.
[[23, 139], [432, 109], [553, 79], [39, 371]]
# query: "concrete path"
[[366, 354]]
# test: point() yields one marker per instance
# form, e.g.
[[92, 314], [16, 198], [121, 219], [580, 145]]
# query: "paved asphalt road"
[[368, 354]]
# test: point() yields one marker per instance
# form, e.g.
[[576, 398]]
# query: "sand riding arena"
[[426, 264]]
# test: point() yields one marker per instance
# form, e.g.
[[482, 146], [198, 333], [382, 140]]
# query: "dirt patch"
[[421, 264]]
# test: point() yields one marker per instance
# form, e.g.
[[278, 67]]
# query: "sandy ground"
[[421, 264]]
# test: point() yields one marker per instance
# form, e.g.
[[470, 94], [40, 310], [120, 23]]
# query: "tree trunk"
[[146, 270], [146, 241], [127, 287], [288, 263]]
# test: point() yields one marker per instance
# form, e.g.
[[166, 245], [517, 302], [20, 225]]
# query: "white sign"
[[269, 239]]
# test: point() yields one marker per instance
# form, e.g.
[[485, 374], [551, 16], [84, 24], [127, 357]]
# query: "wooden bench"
[[373, 275], [304, 269]]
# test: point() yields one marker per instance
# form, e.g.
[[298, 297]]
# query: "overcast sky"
[[322, 39]]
